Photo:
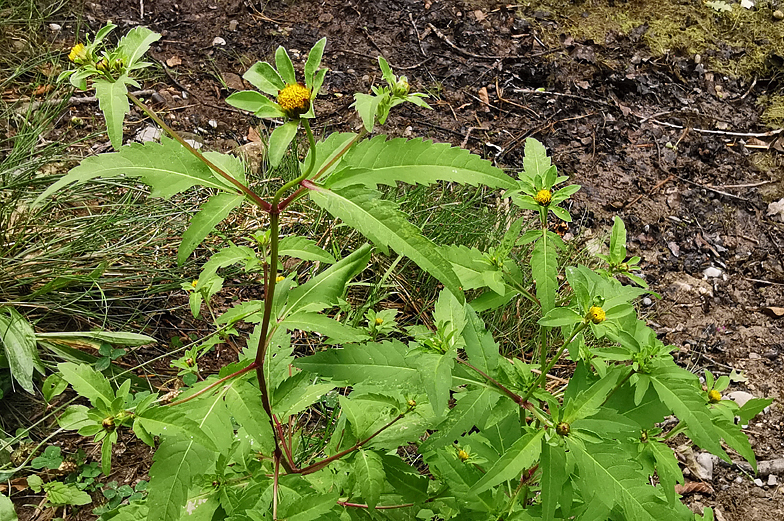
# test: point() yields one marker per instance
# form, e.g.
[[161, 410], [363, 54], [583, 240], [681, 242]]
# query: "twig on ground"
[[485, 56], [416, 31]]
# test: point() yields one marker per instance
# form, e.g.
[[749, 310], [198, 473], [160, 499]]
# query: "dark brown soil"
[[661, 141]]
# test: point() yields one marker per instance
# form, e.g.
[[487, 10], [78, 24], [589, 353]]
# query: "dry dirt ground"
[[674, 148]]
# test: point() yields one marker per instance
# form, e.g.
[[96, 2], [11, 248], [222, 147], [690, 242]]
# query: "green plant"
[[431, 424]]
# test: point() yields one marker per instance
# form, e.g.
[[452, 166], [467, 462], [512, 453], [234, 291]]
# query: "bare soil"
[[674, 148]]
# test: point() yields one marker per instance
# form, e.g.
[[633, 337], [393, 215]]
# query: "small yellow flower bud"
[[563, 429], [411, 403], [102, 65], [294, 99], [280, 278], [714, 396], [379, 321], [195, 283], [108, 423], [78, 54], [596, 315], [543, 197], [462, 455], [401, 88]]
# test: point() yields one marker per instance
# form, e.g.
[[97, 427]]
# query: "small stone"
[[705, 465], [778, 14], [218, 41], [773, 480], [233, 25], [148, 134], [740, 397], [754, 356], [697, 59], [758, 482], [213, 123], [55, 27], [738, 480], [712, 272], [647, 301]]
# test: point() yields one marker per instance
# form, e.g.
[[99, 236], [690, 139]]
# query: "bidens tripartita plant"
[[430, 424]]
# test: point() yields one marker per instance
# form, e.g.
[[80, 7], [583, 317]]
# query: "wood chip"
[[693, 487], [173, 61]]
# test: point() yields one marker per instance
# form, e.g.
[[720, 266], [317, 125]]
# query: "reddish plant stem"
[[282, 437], [377, 507], [519, 400], [215, 384]]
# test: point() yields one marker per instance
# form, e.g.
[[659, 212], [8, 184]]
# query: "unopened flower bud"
[[462, 455], [714, 396], [379, 321], [78, 54], [401, 88], [596, 315], [563, 429]]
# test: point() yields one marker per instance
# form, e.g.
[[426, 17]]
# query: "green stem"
[[295, 182], [264, 205], [546, 369], [215, 384]]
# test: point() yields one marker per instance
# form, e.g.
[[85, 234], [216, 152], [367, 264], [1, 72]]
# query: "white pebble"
[[712, 272]]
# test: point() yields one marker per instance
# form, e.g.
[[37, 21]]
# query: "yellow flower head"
[[294, 99], [195, 283], [78, 53], [714, 396], [379, 321], [543, 197], [596, 315], [280, 278], [462, 455]]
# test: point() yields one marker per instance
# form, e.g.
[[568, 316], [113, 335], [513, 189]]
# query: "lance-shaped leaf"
[[167, 167], [303, 248], [382, 362], [607, 474], [667, 468], [544, 268], [471, 409], [535, 161], [170, 421], [416, 161], [520, 456], [296, 394], [480, 347], [383, 223], [279, 141], [244, 402], [337, 332], [369, 473], [323, 290], [328, 152], [588, 402], [554, 475], [308, 508], [405, 479], [113, 102], [215, 210], [135, 43], [88, 383], [19, 345], [436, 373]]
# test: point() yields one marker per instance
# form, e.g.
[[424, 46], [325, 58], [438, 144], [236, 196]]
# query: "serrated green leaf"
[[369, 473], [113, 102], [588, 402], [405, 479], [167, 167], [752, 408], [480, 347], [328, 151], [461, 477], [667, 468], [226, 257], [736, 439], [377, 362], [337, 332], [304, 248], [60, 494], [471, 409], [520, 456], [323, 290], [554, 475], [279, 141], [19, 345], [114, 338], [535, 161], [544, 268], [415, 161], [310, 508], [382, 222], [244, 402], [215, 210], [435, 371], [89, 383], [170, 421], [297, 393], [134, 44], [558, 317], [366, 106], [314, 61]]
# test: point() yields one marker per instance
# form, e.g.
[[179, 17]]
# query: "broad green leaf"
[[309, 508], [737, 440], [382, 362], [170, 421], [279, 141], [667, 468], [331, 328], [19, 345], [461, 477], [314, 61], [535, 161], [244, 402], [405, 479], [324, 290], [261, 106], [135, 43], [558, 317], [215, 210], [113, 101], [60, 494], [366, 106], [435, 371], [284, 65], [467, 263], [7, 512], [74, 418], [265, 78], [588, 402], [369, 473], [448, 310], [415, 161], [297, 393], [618, 241], [606, 473], [89, 383], [53, 386], [544, 268], [167, 167], [471, 409], [176, 464], [752, 408], [382, 222], [520, 456], [554, 475], [304, 248], [480, 347]]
